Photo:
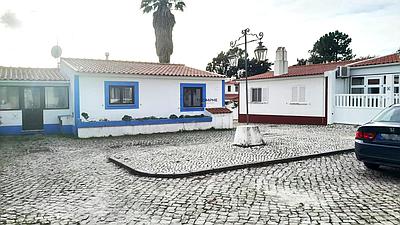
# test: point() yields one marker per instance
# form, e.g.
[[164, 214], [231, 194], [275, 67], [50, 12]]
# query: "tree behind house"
[[163, 23], [331, 47], [220, 64]]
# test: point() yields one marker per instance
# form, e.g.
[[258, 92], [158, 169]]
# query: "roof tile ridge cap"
[[125, 61], [365, 60]]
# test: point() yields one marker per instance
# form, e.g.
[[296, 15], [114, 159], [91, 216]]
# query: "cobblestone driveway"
[[64, 180]]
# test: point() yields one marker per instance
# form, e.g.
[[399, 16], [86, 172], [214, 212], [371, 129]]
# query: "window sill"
[[258, 103], [122, 106], [192, 109], [299, 103]]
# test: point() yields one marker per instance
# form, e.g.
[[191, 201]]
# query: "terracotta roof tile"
[[232, 97], [221, 110], [393, 58], [232, 82], [31, 74], [306, 70], [135, 68]]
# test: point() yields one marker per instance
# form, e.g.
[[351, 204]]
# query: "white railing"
[[396, 98], [362, 100]]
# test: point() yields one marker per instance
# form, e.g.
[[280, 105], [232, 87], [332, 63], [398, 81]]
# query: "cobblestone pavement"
[[61, 180], [194, 154]]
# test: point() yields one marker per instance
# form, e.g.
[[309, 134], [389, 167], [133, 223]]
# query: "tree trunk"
[[163, 23]]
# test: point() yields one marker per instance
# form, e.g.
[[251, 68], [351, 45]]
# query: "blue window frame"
[[121, 95], [193, 97]]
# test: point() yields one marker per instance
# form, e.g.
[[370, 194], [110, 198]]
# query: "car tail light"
[[365, 135]]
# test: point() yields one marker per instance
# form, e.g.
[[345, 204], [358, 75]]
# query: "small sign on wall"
[[212, 100]]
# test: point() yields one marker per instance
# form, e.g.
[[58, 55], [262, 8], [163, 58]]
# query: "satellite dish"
[[56, 51]]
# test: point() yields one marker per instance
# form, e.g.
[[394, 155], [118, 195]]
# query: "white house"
[[341, 92], [33, 99], [361, 90], [107, 97], [232, 96]]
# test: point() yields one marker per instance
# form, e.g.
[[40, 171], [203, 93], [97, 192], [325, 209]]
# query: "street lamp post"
[[260, 53], [248, 135]]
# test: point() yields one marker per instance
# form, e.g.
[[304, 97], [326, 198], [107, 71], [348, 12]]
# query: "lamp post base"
[[248, 136]]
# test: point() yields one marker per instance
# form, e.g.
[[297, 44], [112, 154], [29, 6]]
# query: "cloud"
[[9, 19]]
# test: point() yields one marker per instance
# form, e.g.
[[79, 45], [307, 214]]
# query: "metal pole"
[[245, 73]]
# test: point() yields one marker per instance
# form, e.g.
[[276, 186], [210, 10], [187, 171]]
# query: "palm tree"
[[163, 23]]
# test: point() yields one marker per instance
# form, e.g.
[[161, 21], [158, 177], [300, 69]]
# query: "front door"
[[32, 108]]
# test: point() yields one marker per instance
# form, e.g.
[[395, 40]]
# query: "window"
[[298, 94], [56, 97], [256, 94], [357, 90], [259, 95], [193, 97], [396, 84], [121, 95], [357, 85], [9, 98], [357, 81], [229, 88], [236, 88]]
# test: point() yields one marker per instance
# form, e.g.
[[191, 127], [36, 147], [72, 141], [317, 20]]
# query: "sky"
[[89, 28]]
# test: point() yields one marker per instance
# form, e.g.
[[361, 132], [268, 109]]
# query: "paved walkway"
[[62, 180], [212, 150]]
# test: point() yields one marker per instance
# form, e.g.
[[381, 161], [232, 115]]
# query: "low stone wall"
[[121, 128]]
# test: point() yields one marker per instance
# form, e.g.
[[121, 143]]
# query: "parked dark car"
[[378, 142]]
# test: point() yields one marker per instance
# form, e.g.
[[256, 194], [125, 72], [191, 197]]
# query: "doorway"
[[32, 108]]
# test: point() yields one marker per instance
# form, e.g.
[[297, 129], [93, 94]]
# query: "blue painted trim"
[[47, 129], [143, 122], [135, 86], [77, 109], [203, 101], [10, 130], [223, 93]]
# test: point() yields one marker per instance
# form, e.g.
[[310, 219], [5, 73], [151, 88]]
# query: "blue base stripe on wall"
[[143, 122], [47, 129]]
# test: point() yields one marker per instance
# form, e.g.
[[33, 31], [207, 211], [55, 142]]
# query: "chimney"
[[107, 54], [281, 63]]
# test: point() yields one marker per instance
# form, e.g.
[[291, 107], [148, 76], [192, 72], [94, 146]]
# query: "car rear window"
[[391, 114]]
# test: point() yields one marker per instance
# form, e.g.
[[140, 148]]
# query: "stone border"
[[225, 169]]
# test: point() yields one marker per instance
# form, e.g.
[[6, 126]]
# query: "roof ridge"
[[126, 61], [328, 63], [35, 68]]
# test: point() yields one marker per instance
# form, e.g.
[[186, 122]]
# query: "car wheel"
[[371, 166]]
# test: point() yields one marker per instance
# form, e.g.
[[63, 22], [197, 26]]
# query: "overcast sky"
[[89, 28]]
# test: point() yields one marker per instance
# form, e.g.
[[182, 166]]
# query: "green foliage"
[[332, 47], [85, 115], [301, 62], [220, 64], [153, 5]]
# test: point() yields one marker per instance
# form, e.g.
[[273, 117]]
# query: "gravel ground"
[[215, 150], [61, 180]]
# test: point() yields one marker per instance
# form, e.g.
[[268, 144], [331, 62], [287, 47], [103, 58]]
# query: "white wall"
[[375, 70], [158, 96], [355, 115], [11, 118], [280, 95]]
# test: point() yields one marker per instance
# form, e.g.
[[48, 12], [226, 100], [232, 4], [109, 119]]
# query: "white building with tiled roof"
[[350, 92], [94, 98]]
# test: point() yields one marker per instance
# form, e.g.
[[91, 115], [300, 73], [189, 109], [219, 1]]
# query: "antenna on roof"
[[56, 52]]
